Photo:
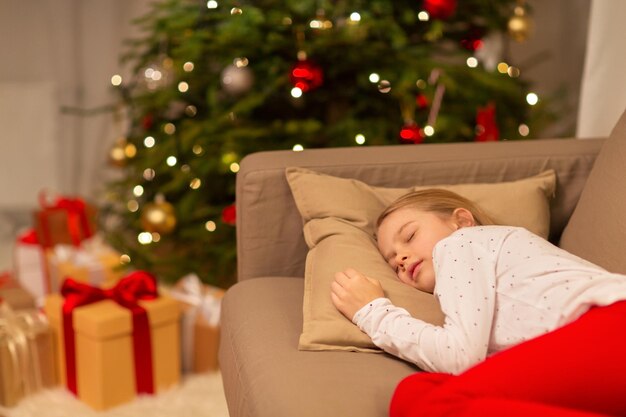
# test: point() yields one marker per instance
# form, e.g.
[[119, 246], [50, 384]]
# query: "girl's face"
[[407, 237]]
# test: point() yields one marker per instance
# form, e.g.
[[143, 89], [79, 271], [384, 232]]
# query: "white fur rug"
[[199, 395]]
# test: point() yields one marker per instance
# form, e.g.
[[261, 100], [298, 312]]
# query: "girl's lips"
[[414, 269]]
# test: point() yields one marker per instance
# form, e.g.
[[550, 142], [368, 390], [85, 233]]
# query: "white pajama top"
[[497, 286]]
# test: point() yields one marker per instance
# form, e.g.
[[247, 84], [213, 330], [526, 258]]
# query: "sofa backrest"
[[269, 227], [597, 228]]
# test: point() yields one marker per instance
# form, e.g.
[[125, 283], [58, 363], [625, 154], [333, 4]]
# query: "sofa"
[[266, 375]]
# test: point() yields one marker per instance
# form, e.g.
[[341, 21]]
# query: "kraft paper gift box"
[[200, 329], [93, 262], [26, 354], [104, 345], [14, 295]]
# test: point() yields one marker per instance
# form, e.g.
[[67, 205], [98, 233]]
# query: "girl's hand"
[[351, 290]]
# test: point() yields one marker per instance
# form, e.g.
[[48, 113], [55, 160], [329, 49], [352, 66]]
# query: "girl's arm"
[[466, 291]]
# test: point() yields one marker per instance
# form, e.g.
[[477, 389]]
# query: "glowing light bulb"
[[144, 238], [210, 226], [148, 174], [195, 183], [132, 206], [472, 62], [359, 139], [523, 129], [191, 110], [513, 72], [532, 99], [171, 160], [169, 128], [241, 62], [296, 92], [374, 78], [298, 148], [138, 191], [384, 86], [116, 80], [149, 142]]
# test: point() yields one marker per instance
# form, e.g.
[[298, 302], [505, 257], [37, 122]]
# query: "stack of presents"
[[71, 314]]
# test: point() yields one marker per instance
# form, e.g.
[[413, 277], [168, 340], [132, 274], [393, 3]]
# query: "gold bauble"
[[158, 217], [121, 152], [117, 156], [519, 25]]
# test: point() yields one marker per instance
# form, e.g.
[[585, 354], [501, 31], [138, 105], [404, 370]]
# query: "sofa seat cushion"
[[597, 227], [261, 324]]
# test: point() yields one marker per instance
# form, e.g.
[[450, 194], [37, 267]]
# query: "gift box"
[[93, 262], [31, 267], [112, 344], [66, 221], [13, 294], [26, 354], [200, 329]]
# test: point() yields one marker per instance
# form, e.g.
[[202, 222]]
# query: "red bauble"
[[421, 101], [147, 122], [486, 126], [440, 9], [306, 75], [229, 215], [473, 39], [411, 133]]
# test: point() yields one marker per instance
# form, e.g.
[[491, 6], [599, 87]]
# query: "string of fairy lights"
[[158, 217]]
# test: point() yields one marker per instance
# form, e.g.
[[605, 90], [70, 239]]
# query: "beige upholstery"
[[279, 379], [264, 373], [598, 225]]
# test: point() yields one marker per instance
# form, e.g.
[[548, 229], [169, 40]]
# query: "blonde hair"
[[439, 201]]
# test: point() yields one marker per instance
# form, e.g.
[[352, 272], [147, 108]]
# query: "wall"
[[58, 58], [603, 91]]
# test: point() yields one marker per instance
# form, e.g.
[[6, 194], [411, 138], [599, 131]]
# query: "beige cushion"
[[597, 227], [339, 217]]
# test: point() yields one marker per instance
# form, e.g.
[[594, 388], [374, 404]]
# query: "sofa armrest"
[[269, 228]]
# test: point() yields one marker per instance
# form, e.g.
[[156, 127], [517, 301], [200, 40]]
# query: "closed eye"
[[410, 237]]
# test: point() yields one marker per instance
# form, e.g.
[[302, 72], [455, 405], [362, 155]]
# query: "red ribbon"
[[77, 219], [138, 285]]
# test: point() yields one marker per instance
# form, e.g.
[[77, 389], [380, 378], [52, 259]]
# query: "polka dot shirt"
[[497, 286]]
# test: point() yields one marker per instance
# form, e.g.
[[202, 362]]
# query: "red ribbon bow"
[[138, 285], [29, 237]]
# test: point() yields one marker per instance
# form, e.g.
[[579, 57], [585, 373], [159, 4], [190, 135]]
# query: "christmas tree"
[[217, 80]]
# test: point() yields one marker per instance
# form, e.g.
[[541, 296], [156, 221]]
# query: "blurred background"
[[68, 102]]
